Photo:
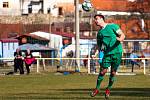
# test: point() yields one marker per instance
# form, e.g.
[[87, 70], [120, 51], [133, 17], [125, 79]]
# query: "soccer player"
[[109, 39]]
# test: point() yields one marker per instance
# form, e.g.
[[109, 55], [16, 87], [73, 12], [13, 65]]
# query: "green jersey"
[[106, 39]]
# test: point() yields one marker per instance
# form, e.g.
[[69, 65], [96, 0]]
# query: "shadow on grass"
[[145, 92], [82, 94]]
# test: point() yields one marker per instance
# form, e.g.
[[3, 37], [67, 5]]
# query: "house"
[[38, 45], [58, 7], [58, 41], [55, 40], [39, 50], [25, 7], [10, 7], [33, 39]]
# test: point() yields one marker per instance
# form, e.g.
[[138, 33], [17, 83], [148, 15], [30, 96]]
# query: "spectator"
[[85, 61], [134, 61], [29, 59], [92, 61], [18, 61]]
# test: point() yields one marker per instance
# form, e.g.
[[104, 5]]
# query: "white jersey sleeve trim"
[[119, 31]]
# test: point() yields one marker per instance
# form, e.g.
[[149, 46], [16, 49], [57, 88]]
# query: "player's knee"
[[113, 73], [112, 79], [102, 73]]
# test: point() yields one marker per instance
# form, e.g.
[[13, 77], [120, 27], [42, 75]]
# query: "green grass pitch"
[[77, 86]]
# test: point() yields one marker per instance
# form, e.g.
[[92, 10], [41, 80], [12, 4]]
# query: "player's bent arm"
[[121, 36]]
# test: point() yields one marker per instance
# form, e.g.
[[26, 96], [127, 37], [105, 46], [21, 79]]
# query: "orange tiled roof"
[[119, 5]]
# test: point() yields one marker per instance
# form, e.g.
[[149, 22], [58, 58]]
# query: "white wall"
[[9, 49], [13, 9], [55, 40], [50, 4], [85, 47], [25, 6], [53, 5]]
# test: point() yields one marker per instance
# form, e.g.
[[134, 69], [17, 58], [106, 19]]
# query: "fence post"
[[88, 65], [144, 66], [37, 65], [43, 64]]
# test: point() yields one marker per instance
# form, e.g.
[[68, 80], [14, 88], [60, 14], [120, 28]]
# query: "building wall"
[[24, 6], [6, 29], [19, 7], [131, 27], [55, 40], [54, 5], [36, 6], [13, 7]]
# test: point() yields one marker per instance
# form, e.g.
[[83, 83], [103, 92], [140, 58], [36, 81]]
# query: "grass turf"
[[77, 86]]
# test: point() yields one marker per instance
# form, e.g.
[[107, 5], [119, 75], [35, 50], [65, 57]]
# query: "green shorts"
[[113, 60]]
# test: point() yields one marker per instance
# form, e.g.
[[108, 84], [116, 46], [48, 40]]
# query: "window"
[[30, 8], [60, 11], [5, 4], [48, 10]]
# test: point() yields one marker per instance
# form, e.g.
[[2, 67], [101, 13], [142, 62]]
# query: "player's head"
[[99, 19], [18, 49], [100, 16]]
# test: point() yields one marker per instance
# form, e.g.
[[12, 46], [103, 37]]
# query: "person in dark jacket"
[[18, 61]]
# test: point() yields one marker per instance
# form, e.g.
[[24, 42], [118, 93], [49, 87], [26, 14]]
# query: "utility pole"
[[77, 35]]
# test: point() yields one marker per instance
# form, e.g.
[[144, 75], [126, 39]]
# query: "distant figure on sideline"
[[18, 61], [93, 61], [85, 61], [29, 59], [134, 61]]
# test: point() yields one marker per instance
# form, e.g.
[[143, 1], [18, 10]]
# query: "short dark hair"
[[99, 15]]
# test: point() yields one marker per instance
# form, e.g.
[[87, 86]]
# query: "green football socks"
[[111, 81], [99, 80]]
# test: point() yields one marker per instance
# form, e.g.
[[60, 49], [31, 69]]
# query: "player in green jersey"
[[109, 39]]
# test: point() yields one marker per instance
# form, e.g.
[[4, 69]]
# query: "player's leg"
[[21, 68], [103, 69], [99, 80], [15, 65], [111, 81], [137, 63], [111, 78], [101, 77], [116, 60], [27, 68], [132, 63]]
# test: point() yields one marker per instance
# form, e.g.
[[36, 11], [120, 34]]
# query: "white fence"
[[69, 64]]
